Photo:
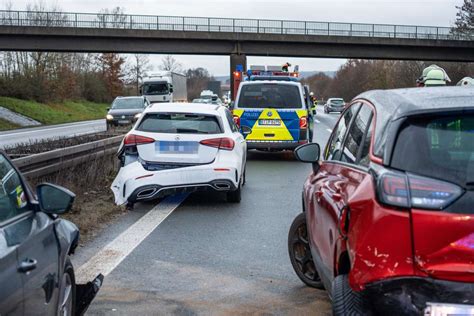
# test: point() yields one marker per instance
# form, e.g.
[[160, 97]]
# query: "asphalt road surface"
[[34, 134], [212, 257]]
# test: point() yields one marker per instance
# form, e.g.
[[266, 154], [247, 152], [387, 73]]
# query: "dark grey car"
[[125, 111], [36, 274], [334, 105]]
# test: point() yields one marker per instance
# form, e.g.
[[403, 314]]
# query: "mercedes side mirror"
[[309, 153], [54, 199]]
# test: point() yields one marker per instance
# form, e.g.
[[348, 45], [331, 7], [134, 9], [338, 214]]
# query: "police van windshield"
[[270, 95], [155, 88]]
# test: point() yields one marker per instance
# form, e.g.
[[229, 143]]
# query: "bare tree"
[[141, 65], [114, 18], [169, 63]]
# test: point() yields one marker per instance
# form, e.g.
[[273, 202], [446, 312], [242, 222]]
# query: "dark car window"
[[438, 146], [355, 136], [180, 123], [334, 146], [270, 95], [365, 150], [122, 104], [13, 200]]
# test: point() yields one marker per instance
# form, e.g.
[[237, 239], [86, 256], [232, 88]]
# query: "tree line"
[[53, 77]]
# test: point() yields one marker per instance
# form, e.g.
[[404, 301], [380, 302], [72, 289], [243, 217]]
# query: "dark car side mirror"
[[246, 130], [54, 199], [309, 153], [108, 109]]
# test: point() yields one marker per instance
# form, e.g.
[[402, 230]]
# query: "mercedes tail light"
[[133, 140], [303, 122], [411, 191], [224, 143], [237, 120]]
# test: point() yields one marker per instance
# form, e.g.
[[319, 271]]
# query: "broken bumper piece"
[[85, 293], [417, 296]]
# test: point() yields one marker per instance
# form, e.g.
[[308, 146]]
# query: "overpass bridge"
[[235, 37]]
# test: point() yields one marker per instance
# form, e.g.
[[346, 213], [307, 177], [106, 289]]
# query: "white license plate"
[[124, 122], [270, 122], [170, 147], [442, 309]]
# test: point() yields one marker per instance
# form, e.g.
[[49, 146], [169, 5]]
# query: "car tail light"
[[133, 140], [303, 122], [224, 143], [237, 120], [411, 191]]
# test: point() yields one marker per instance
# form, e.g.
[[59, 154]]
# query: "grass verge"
[[56, 113], [6, 125]]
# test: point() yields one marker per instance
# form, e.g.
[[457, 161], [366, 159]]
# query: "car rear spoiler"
[[85, 293]]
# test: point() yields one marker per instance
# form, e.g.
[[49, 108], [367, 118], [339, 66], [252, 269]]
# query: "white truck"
[[164, 86]]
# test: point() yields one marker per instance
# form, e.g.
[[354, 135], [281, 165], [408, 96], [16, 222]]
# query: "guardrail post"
[[18, 18], [75, 23], [281, 22], [183, 23], [258, 26], [233, 27], [131, 22], [157, 22], [208, 25], [350, 30], [373, 30], [329, 27], [416, 31], [305, 28]]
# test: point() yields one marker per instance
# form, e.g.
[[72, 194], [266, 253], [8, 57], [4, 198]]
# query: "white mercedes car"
[[181, 147]]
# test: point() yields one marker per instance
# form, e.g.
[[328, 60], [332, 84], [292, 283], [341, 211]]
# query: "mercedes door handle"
[[27, 265]]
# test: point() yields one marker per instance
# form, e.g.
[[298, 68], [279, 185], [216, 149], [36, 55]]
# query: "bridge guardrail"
[[233, 25], [42, 164]]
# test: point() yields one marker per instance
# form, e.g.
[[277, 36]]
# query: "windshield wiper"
[[186, 130]]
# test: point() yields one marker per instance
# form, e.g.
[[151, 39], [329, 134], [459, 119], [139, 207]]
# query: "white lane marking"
[[329, 130], [317, 121], [109, 257]]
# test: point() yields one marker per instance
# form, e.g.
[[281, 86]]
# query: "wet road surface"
[[213, 257]]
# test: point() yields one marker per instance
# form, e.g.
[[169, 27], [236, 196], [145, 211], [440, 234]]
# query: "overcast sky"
[[414, 12]]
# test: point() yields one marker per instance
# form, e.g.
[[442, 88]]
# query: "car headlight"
[[137, 116], [109, 117]]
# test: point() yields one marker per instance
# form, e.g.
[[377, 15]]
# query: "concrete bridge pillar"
[[235, 60]]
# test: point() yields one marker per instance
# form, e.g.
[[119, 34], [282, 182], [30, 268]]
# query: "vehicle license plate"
[[171, 147], [441, 309], [124, 122], [269, 122]]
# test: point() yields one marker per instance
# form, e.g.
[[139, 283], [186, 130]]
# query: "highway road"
[[34, 134], [206, 256]]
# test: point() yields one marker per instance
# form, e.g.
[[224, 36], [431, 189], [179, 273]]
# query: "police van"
[[275, 106]]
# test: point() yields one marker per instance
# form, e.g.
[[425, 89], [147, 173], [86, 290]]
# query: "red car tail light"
[[411, 191], [133, 140], [303, 122], [224, 143], [237, 120]]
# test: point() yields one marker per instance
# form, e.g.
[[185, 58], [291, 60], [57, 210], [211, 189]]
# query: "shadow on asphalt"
[[271, 156]]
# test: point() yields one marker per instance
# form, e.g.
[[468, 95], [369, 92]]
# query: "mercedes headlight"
[[109, 117]]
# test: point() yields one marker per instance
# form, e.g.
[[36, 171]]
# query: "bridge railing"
[[203, 24]]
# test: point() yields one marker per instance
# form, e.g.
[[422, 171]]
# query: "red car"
[[388, 211]]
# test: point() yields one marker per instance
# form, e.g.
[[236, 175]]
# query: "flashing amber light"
[[236, 74]]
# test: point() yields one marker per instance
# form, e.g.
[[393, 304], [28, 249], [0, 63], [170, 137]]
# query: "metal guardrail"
[[42, 164], [205, 24]]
